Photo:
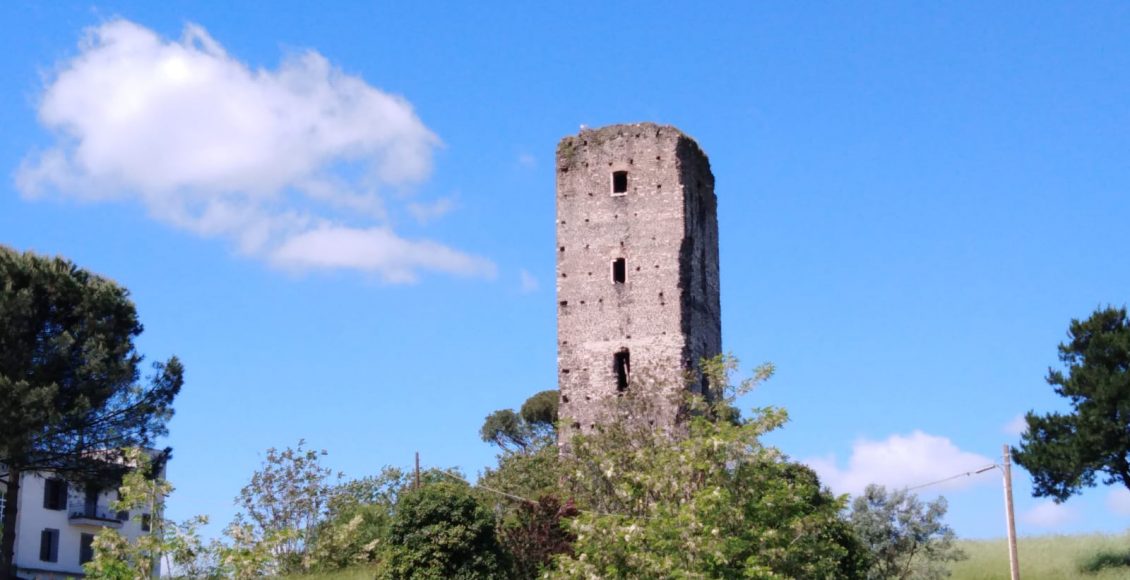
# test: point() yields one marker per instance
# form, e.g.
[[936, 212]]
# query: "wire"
[[530, 501], [952, 477]]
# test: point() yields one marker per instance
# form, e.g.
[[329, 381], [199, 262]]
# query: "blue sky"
[[341, 219]]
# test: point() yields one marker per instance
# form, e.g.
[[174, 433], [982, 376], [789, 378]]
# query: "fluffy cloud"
[[900, 461], [1118, 500], [1048, 514], [286, 163]]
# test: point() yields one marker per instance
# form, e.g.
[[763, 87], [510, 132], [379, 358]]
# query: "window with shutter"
[[55, 494], [49, 545], [86, 548]]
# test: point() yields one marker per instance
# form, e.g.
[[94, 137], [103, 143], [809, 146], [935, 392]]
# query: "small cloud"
[[527, 282], [1118, 500], [427, 212], [526, 160], [378, 250], [1048, 514], [900, 461], [1016, 427]]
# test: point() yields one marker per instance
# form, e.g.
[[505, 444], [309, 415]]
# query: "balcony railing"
[[82, 513]]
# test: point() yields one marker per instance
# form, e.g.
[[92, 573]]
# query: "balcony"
[[81, 513]]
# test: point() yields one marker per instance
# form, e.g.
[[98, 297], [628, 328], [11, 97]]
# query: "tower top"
[[600, 136]]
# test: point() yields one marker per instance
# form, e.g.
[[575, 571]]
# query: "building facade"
[[56, 521], [638, 300]]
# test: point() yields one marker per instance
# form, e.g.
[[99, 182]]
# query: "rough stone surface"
[[666, 314]]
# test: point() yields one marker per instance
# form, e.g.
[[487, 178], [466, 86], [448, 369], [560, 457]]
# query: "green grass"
[[1088, 557]]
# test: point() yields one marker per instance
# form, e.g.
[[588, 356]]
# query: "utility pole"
[[1013, 561], [418, 480]]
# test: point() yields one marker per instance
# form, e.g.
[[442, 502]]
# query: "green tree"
[[709, 502], [1067, 452], [531, 428], [442, 531], [359, 513], [70, 381], [251, 552], [535, 533], [906, 537], [143, 493], [531, 531], [285, 501]]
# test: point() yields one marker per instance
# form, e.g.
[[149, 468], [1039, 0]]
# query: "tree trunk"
[[8, 537]]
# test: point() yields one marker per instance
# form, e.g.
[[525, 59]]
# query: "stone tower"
[[637, 270]]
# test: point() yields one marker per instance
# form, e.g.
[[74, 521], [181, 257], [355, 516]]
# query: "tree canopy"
[[531, 428], [905, 536], [1066, 452], [441, 531], [71, 396]]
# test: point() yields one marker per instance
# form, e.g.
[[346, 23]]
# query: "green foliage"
[[540, 411], [536, 532], [504, 428], [351, 540], [906, 538], [251, 552], [69, 377], [143, 492], [526, 475], [1066, 452], [356, 527], [285, 501], [1106, 560], [532, 428], [712, 502], [441, 531]]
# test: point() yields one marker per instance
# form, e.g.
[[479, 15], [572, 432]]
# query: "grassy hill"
[[1090, 557]]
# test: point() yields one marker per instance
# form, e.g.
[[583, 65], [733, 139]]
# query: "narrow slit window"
[[619, 182], [619, 271], [622, 365]]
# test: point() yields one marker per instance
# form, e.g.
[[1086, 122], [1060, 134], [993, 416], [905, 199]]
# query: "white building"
[[57, 521]]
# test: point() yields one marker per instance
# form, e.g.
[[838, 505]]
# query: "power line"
[[952, 477], [530, 501]]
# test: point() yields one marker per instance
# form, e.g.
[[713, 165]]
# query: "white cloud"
[[270, 159], [527, 160], [901, 461], [375, 250], [427, 212], [1048, 514], [1118, 500], [527, 282], [1016, 427]]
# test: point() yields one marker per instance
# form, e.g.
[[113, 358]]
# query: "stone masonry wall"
[[666, 313]]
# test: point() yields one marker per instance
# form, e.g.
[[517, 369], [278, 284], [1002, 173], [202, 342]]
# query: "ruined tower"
[[637, 269]]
